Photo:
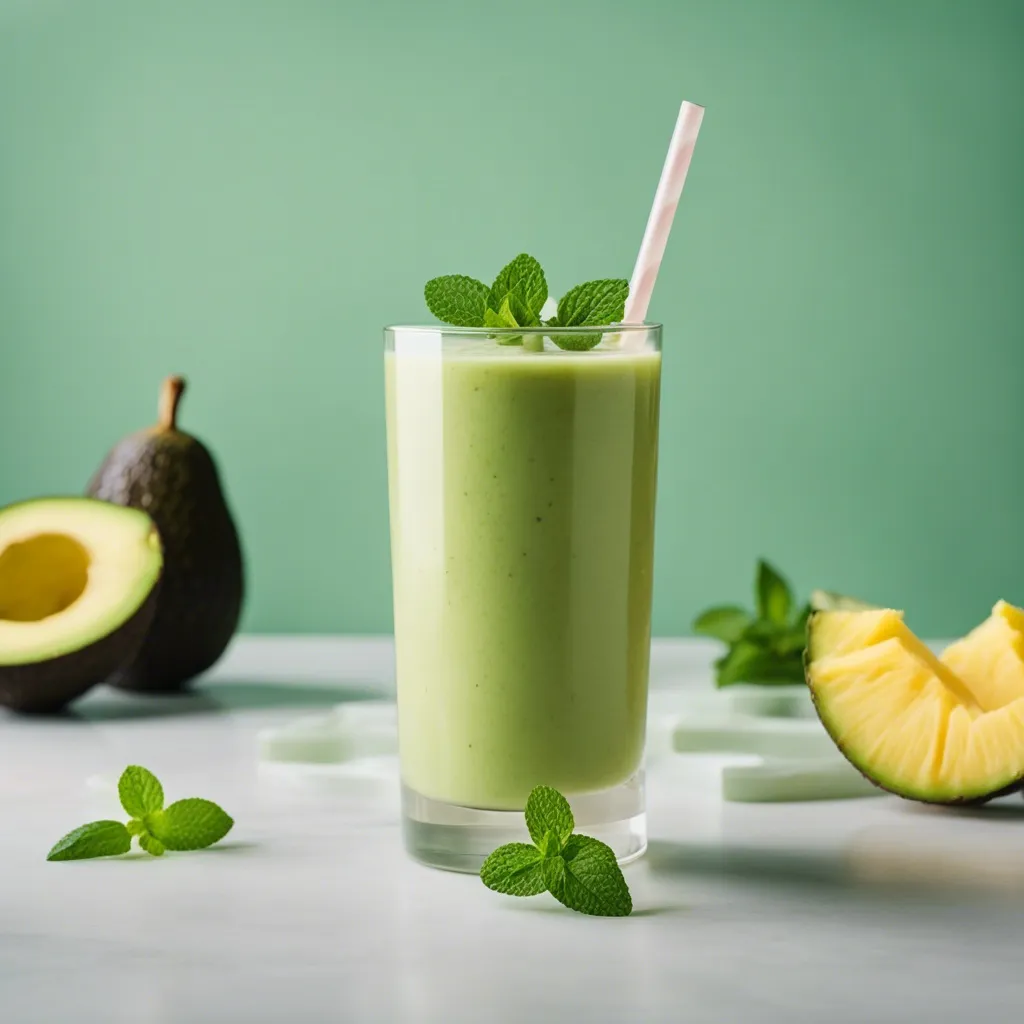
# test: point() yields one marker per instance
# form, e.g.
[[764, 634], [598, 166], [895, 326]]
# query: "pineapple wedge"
[[940, 730]]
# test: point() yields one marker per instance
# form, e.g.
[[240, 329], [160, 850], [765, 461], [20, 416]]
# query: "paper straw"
[[659, 223]]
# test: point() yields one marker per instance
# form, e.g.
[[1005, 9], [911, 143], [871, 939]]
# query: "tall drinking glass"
[[522, 483]]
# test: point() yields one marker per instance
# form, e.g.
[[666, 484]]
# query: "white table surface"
[[850, 911]]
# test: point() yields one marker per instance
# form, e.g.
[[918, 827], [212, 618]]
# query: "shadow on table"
[[1005, 810], [230, 848], [226, 848], [106, 703], [873, 862], [747, 864]]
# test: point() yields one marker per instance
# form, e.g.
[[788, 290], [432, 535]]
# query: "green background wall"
[[246, 192]]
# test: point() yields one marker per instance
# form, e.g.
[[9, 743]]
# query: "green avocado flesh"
[[77, 582]]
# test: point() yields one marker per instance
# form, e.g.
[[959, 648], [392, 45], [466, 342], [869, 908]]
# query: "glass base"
[[459, 838]]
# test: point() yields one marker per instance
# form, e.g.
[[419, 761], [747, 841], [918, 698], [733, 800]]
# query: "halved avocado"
[[906, 719], [78, 583]]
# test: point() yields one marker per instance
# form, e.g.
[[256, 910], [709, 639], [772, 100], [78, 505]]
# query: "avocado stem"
[[170, 396]]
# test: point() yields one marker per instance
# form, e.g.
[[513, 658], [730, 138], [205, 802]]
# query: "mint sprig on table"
[[580, 872], [191, 824], [517, 297], [765, 646]]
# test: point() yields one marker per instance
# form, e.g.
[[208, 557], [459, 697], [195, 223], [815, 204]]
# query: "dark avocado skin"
[[173, 477], [44, 687]]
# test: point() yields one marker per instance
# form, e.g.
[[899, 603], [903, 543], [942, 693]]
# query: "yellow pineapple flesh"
[[939, 730], [990, 659]]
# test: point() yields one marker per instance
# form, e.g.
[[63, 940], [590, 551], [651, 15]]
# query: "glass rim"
[[548, 332]]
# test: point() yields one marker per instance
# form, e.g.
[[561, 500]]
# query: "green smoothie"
[[522, 490]]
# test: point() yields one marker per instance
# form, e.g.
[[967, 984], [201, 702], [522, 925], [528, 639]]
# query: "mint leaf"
[[762, 632], [590, 304], [781, 669], [514, 869], [725, 623], [506, 314], [794, 639], [738, 664], [140, 791], [521, 283], [577, 342], [457, 300], [774, 598], [97, 839], [151, 844], [504, 318], [747, 662], [191, 824], [135, 827], [593, 303], [551, 844], [553, 869], [547, 810], [589, 880]]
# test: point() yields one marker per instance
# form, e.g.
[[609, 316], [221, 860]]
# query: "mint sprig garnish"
[[764, 646], [191, 824], [579, 871], [517, 297]]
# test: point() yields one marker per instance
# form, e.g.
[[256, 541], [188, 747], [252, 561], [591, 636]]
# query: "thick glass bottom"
[[457, 838]]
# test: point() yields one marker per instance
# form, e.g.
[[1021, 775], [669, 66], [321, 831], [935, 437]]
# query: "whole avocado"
[[172, 476]]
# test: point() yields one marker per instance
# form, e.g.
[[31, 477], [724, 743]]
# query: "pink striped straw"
[[659, 223]]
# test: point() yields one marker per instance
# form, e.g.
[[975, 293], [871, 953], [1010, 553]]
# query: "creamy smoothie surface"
[[522, 493]]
